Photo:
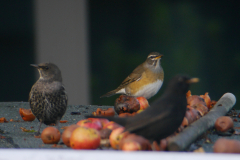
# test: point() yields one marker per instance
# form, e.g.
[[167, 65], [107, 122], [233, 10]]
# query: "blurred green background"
[[198, 38]]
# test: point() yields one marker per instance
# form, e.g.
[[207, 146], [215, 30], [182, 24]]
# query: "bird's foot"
[[37, 134]]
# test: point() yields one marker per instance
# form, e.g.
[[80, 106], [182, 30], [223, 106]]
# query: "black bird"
[[163, 117], [48, 98]]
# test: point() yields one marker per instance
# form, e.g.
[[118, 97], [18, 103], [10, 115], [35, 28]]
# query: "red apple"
[[143, 103], [223, 145], [103, 121], [50, 135], [85, 138], [67, 134], [116, 136], [111, 125], [90, 124], [133, 142]]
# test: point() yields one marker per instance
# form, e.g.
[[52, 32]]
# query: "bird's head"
[[180, 84], [48, 71], [153, 59]]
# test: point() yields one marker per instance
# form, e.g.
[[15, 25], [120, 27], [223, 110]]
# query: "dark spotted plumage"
[[47, 98]]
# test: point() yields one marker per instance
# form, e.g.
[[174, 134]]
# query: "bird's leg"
[[57, 124], [38, 132]]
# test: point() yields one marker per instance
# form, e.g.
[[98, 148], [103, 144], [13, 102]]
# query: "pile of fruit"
[[93, 133]]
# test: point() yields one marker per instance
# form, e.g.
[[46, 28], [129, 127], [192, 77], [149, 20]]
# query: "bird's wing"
[[136, 75], [147, 119]]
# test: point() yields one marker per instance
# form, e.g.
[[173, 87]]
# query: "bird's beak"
[[158, 57], [193, 80], [35, 65]]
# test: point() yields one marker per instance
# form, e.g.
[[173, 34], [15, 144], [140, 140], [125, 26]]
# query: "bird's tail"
[[110, 93], [119, 120]]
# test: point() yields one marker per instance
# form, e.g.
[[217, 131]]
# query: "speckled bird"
[[48, 98]]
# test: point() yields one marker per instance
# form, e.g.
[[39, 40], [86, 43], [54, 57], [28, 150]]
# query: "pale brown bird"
[[48, 98], [144, 81]]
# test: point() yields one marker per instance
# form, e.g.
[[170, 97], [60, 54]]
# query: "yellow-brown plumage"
[[145, 80]]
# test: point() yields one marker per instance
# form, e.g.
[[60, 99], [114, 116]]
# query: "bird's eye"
[[46, 68], [152, 57]]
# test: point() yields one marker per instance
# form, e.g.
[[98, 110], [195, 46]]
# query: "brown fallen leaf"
[[37, 136], [2, 137], [26, 130], [12, 120], [63, 121]]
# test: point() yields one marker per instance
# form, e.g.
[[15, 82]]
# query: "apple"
[[26, 114], [85, 138], [90, 124], [133, 142], [67, 134], [223, 145], [126, 114], [116, 136], [3, 120], [104, 112], [143, 103], [224, 123], [103, 121], [50, 135], [127, 104], [111, 125], [131, 146]]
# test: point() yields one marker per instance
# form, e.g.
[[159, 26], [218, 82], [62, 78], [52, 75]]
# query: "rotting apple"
[[116, 136], [223, 124], [3, 120], [126, 114], [104, 112], [85, 138], [67, 134], [50, 135], [26, 114], [143, 103]]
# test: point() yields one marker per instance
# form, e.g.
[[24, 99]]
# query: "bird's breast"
[[148, 90]]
